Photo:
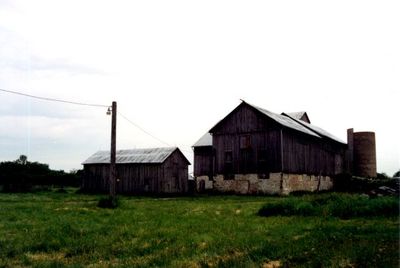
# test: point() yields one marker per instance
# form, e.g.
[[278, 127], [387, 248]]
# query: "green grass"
[[49, 229]]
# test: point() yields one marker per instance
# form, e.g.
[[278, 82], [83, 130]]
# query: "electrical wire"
[[52, 99], [143, 130], [84, 104]]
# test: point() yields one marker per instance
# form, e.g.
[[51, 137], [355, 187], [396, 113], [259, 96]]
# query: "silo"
[[364, 154]]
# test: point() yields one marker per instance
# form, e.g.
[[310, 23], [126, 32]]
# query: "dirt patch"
[[272, 264]]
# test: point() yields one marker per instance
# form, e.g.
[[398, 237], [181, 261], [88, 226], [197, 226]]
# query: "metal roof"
[[205, 140], [300, 115], [285, 121], [149, 155], [297, 115], [316, 129]]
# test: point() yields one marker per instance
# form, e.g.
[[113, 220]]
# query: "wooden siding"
[[307, 155], [171, 176], [175, 174], [203, 161], [243, 119], [261, 156]]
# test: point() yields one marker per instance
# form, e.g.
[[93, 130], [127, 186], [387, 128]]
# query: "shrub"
[[273, 209], [287, 207], [337, 205], [108, 202]]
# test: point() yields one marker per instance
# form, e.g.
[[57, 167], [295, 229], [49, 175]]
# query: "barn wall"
[[131, 178], [242, 120], [262, 155], [307, 155], [203, 161], [175, 174], [138, 178], [96, 178], [252, 140]]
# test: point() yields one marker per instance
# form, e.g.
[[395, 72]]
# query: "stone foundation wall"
[[277, 183], [208, 185], [296, 182]]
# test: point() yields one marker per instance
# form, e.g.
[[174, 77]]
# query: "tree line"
[[22, 175]]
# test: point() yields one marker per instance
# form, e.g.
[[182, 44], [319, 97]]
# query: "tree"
[[23, 160], [382, 176], [397, 174]]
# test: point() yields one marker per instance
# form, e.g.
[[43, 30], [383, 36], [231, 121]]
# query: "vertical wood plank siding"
[[203, 161], [171, 176], [303, 154]]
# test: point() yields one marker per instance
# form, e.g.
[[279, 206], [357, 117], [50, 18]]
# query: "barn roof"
[[289, 120], [285, 121], [316, 129], [300, 116], [205, 140], [134, 156]]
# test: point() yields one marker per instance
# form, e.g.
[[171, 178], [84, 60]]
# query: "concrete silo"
[[363, 150]]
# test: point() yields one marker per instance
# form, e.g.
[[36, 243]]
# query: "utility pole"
[[113, 171]]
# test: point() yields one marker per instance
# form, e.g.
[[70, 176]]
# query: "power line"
[[83, 104], [52, 99], [143, 130]]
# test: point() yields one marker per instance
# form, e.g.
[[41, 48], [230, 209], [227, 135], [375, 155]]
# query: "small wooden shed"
[[153, 170]]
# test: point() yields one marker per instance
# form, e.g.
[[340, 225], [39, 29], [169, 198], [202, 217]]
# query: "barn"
[[253, 150], [153, 170]]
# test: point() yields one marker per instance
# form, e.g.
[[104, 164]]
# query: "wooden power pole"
[[113, 171]]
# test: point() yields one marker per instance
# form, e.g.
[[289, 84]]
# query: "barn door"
[[245, 154]]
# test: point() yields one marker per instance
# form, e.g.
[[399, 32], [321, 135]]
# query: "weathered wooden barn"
[[155, 170], [253, 150]]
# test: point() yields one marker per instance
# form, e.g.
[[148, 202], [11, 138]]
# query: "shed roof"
[[205, 140], [134, 156]]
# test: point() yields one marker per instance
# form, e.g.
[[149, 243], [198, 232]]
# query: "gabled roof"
[[205, 140], [290, 121], [300, 116], [316, 129], [280, 119], [134, 156]]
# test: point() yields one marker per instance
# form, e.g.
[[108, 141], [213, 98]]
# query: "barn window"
[[245, 142]]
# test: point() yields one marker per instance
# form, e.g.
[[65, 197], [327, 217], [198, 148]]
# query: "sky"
[[176, 68]]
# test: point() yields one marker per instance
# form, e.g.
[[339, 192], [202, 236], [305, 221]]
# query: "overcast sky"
[[177, 67]]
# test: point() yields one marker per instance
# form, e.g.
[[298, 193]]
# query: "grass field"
[[49, 229]]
